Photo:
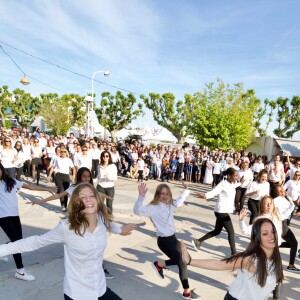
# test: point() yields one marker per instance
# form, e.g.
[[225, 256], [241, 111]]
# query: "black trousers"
[[290, 241], [109, 192], [109, 295], [11, 172], [62, 181], [223, 220], [240, 196], [253, 206], [229, 297], [172, 248], [19, 172], [95, 164], [13, 229]]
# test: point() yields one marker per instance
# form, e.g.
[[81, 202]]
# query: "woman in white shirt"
[[241, 190], [225, 205], [27, 152], [62, 165], [21, 159], [256, 192], [37, 164], [107, 175], [259, 267], [161, 212], [9, 216], [293, 188], [8, 157], [84, 237]]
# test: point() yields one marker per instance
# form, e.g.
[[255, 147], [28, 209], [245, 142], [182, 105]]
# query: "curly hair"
[[77, 218]]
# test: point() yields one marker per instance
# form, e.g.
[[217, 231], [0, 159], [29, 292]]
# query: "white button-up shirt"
[[83, 256]]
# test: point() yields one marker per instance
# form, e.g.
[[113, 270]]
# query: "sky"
[[151, 46]]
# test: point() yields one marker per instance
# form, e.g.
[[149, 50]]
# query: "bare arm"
[[53, 197], [38, 188]]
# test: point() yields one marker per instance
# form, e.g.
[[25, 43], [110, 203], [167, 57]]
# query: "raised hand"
[[142, 189], [185, 186]]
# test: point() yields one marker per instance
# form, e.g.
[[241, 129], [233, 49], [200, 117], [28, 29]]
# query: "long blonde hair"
[[159, 188], [77, 219]]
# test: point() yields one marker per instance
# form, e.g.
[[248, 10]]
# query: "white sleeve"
[[245, 229], [35, 242], [113, 173], [287, 213], [141, 210], [180, 200], [215, 191], [114, 228]]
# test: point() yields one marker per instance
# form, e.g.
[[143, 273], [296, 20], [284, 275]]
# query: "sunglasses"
[[36, 141], [63, 151], [7, 141], [105, 155]]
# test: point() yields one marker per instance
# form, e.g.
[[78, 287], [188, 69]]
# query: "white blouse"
[[161, 214], [83, 257]]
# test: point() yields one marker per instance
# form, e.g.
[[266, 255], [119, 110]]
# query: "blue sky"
[[153, 45]]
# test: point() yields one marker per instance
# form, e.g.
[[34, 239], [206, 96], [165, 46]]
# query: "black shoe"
[[108, 275], [158, 269]]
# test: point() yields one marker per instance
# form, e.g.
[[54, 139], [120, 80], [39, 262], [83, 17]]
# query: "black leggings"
[[223, 220], [62, 181], [290, 242], [229, 297], [109, 192], [13, 229], [240, 197], [253, 206], [172, 248], [108, 295]]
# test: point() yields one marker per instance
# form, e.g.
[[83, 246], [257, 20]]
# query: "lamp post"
[[90, 104]]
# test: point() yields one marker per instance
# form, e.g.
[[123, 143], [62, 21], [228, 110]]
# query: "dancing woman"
[[84, 237], [225, 205], [259, 267], [161, 212]]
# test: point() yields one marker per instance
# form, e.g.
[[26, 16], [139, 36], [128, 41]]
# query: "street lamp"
[[24, 80], [90, 104]]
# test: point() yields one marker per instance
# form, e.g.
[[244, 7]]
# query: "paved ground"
[[129, 258]]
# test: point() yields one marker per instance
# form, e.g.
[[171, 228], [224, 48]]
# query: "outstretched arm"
[[213, 264], [38, 188], [56, 196]]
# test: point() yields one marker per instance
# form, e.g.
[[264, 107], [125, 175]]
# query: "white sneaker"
[[4, 259], [24, 275]]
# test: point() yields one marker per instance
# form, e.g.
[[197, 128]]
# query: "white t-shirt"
[[293, 189], [245, 286], [63, 165], [262, 188], [7, 157], [9, 201]]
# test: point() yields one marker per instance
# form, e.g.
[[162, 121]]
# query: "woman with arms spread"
[[161, 212], [84, 237], [259, 267]]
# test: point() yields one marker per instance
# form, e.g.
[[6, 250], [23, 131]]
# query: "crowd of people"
[[271, 190]]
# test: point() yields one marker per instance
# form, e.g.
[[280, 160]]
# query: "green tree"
[[5, 102], [222, 116], [117, 111], [25, 107], [288, 116], [61, 113], [168, 112], [264, 117]]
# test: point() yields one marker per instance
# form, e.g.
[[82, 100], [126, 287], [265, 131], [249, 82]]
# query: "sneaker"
[[108, 275], [63, 209], [4, 259], [196, 245], [190, 295], [293, 269], [24, 275], [158, 269]]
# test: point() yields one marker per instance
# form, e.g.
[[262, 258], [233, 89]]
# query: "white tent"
[[165, 135], [122, 134], [98, 129], [39, 122]]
